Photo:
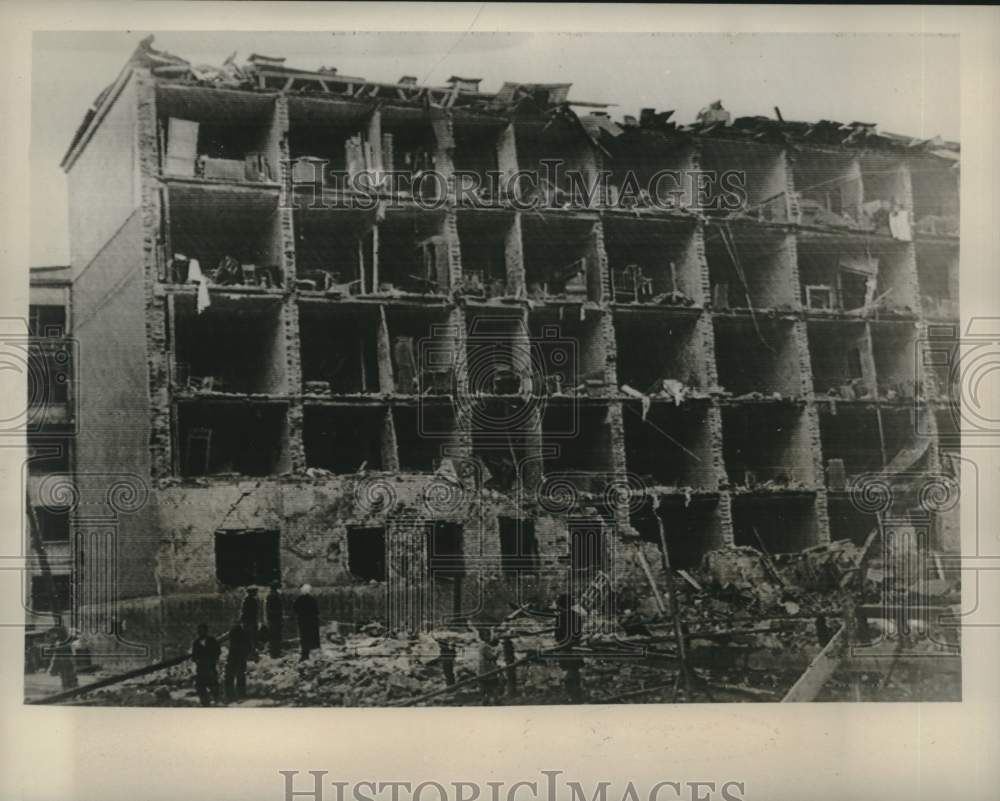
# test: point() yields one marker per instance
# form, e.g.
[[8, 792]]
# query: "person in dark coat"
[[205, 655], [63, 663], [307, 616], [569, 632], [446, 660], [236, 662], [489, 679], [250, 614], [274, 613]]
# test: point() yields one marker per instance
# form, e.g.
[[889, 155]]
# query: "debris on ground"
[[752, 622]]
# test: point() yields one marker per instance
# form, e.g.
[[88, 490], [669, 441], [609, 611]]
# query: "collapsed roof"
[[269, 74]]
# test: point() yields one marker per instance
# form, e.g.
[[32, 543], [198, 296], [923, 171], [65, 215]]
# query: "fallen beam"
[[118, 678], [819, 671]]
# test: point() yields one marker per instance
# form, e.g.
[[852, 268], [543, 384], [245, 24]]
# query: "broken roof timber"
[[327, 82]]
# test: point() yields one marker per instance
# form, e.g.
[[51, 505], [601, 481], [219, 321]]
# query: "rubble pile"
[[753, 623]]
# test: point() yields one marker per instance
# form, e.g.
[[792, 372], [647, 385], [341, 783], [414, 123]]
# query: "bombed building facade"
[[440, 406]]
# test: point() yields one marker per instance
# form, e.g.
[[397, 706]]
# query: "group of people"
[[247, 634], [246, 637]]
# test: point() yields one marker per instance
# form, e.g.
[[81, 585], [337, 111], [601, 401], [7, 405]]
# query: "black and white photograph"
[[498, 402], [497, 369]]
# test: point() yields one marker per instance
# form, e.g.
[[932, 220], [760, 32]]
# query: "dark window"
[[42, 591], [366, 553], [47, 456], [247, 556], [46, 321], [444, 550], [518, 546], [53, 523], [49, 374]]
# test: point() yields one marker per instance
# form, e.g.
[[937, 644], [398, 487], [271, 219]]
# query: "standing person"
[[489, 685], [63, 664], [250, 614], [236, 662], [569, 632], [307, 616], [205, 655], [274, 613], [446, 660]]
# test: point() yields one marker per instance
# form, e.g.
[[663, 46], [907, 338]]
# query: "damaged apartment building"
[[477, 403]]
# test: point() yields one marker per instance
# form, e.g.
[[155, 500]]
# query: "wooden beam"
[[819, 671]]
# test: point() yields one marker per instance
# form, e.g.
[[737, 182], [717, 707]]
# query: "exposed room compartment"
[[334, 250], [669, 446], [936, 196], [475, 156], [425, 434], [841, 359], [895, 346], [410, 148], [561, 262], [346, 439], [576, 442], [691, 526], [886, 185], [553, 139], [650, 167], [328, 140], [867, 439], [938, 276], [896, 289], [488, 246], [653, 261], [339, 348], [223, 136], [227, 236], [783, 523], [568, 355], [750, 268], [231, 438], [836, 274], [661, 353], [412, 254], [506, 434], [768, 446], [848, 522], [759, 356], [422, 352], [745, 178], [498, 353], [236, 345], [853, 440], [828, 189]]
